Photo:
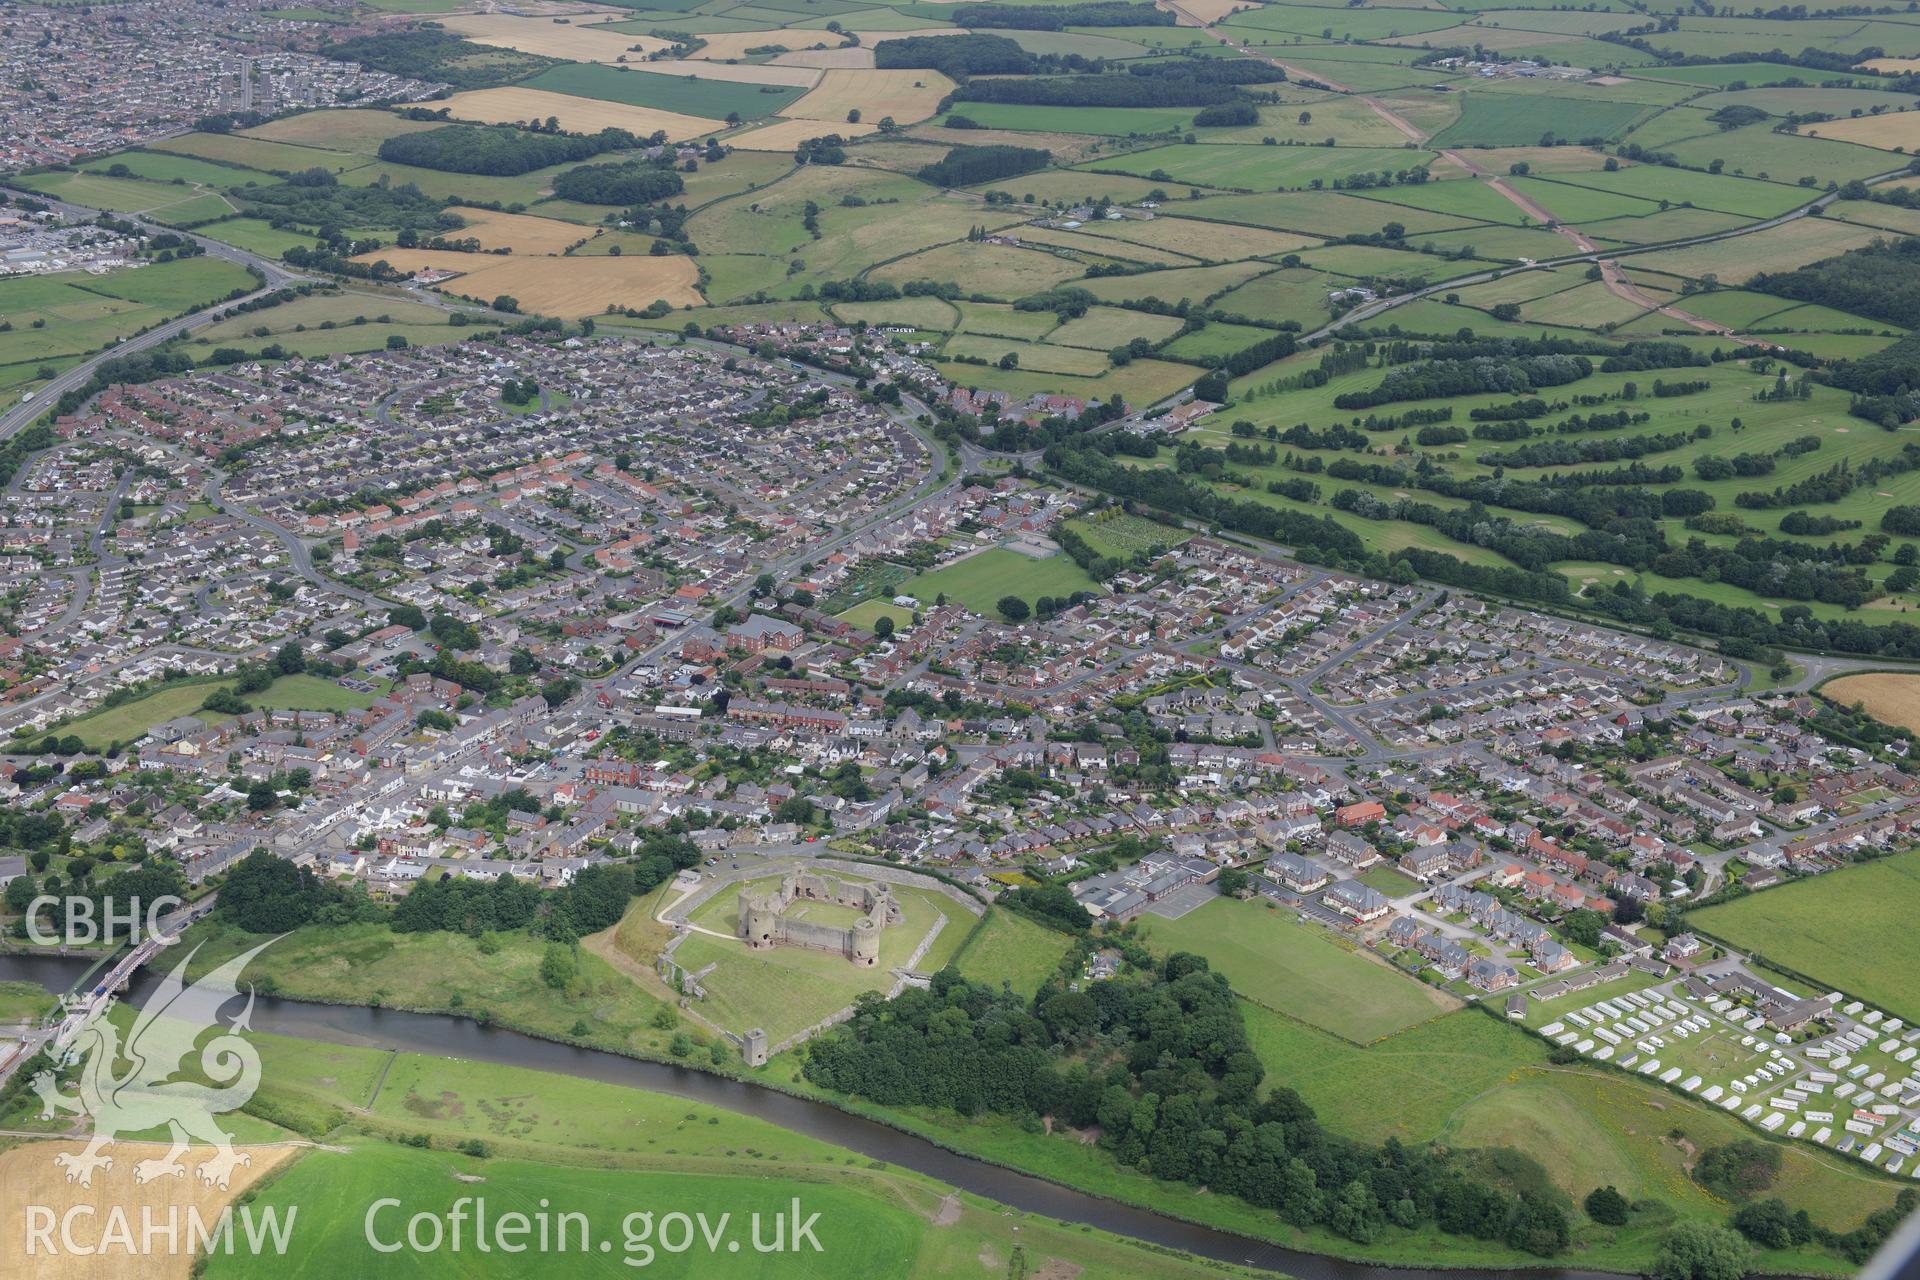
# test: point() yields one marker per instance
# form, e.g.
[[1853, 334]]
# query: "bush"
[[1227, 114], [1702, 1251], [1738, 1170], [1607, 1207]]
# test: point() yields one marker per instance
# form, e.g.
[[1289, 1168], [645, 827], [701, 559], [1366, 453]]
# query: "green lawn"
[[1388, 881], [981, 580], [23, 1002], [1852, 929], [869, 612], [1299, 969], [1011, 948]]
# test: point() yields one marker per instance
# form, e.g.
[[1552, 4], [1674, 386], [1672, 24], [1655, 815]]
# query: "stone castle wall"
[[764, 921]]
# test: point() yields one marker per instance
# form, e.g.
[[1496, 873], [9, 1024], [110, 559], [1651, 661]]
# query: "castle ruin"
[[765, 922]]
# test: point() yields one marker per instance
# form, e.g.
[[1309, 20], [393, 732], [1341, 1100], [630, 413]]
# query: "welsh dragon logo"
[[148, 1094]]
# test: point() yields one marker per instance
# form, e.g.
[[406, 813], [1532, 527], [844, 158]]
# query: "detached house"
[[1356, 901], [1295, 873]]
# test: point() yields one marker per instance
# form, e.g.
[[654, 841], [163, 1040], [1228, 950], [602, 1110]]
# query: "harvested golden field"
[[1892, 66], [564, 287], [907, 96], [827, 59], [1203, 13], [552, 39], [1066, 148], [1545, 159], [897, 154], [576, 115], [520, 232], [32, 1178], [1886, 696], [1890, 131], [785, 135], [725, 46]]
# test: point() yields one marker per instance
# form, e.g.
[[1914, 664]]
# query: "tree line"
[[1058, 17]]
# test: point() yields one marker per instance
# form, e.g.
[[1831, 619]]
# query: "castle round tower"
[[759, 918], [864, 942]]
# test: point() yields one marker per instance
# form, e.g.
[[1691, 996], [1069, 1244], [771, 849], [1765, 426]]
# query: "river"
[[441, 1036]]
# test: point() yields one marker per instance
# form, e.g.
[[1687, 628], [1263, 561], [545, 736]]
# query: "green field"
[[323, 313], [73, 312], [260, 153], [158, 166], [981, 580], [338, 1188], [1848, 929], [1010, 948], [1299, 969], [255, 235], [132, 719], [688, 95], [1240, 168], [1517, 120], [160, 200]]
